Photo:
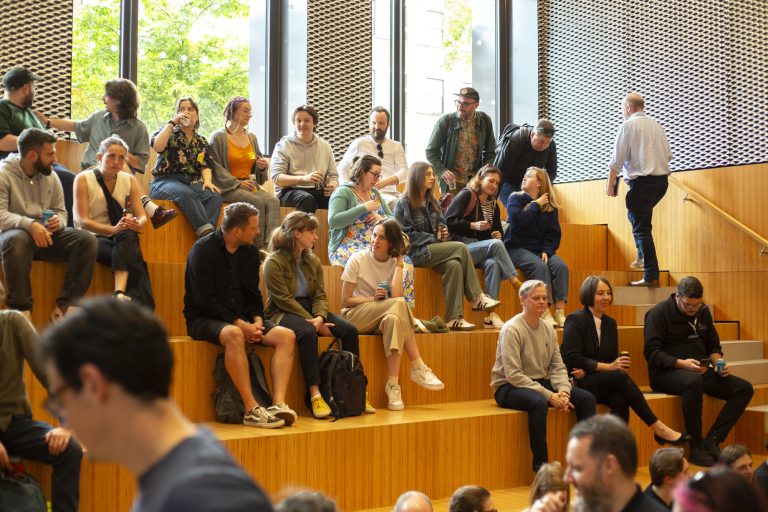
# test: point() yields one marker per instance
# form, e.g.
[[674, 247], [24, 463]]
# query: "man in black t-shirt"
[[109, 368], [682, 349]]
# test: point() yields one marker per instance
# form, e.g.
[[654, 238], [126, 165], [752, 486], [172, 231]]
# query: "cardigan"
[[222, 177], [343, 211]]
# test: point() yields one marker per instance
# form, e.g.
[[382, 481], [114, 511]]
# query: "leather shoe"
[[684, 438], [162, 217], [653, 283], [700, 457], [711, 446]]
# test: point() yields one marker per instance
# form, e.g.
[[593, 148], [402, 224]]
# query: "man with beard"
[[461, 142], [602, 463], [394, 168], [33, 225], [16, 114]]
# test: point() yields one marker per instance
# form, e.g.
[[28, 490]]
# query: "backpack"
[[226, 399], [342, 381], [447, 198], [503, 141], [20, 492]]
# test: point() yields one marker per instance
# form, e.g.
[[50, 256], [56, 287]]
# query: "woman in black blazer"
[[593, 359]]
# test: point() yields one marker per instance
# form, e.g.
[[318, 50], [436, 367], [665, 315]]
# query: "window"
[[192, 48], [95, 52]]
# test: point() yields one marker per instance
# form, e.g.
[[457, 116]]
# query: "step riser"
[[630, 295], [742, 350]]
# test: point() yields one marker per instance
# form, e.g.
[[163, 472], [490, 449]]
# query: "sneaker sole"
[[430, 387], [287, 417], [396, 407], [320, 417], [491, 326], [488, 308], [274, 424], [462, 328]]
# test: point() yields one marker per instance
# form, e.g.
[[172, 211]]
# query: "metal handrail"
[[727, 216]]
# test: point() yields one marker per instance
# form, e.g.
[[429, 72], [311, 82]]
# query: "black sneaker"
[[700, 457], [283, 412]]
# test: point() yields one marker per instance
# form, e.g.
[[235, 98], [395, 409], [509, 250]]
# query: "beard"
[[593, 499], [27, 100], [42, 169], [377, 135]]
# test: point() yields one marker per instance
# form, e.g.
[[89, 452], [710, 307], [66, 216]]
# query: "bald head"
[[413, 501], [635, 100]]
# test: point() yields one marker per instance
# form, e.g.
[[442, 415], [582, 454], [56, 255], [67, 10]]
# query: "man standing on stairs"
[[529, 374], [682, 348], [642, 153], [109, 367]]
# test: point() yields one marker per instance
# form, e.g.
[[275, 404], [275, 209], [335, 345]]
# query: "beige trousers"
[[390, 317]]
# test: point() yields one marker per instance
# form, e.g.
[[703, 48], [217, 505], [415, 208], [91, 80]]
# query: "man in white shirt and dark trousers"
[[642, 153], [394, 168]]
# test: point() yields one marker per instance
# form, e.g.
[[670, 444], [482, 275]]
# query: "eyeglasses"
[[381, 150], [464, 104], [688, 306], [53, 405], [376, 175]]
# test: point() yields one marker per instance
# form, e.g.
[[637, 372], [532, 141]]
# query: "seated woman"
[[118, 117], [533, 238], [473, 217], [422, 220], [372, 296], [183, 172], [108, 204], [303, 167], [354, 209], [591, 352], [239, 167], [549, 491], [296, 299]]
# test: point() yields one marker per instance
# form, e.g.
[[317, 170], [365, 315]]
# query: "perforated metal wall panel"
[[37, 34], [700, 64], [339, 68]]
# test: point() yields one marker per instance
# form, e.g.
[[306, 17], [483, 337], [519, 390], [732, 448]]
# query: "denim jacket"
[[420, 226]]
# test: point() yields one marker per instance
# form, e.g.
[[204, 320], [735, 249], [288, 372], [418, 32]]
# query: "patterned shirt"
[[182, 156], [466, 151], [487, 208]]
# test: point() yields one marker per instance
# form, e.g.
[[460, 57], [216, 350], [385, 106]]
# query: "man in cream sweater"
[[529, 374]]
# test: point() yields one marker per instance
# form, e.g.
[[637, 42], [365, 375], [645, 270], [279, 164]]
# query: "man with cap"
[[521, 147], [461, 142], [16, 114]]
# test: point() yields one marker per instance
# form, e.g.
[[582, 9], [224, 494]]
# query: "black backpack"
[[503, 141], [342, 381], [20, 492], [226, 399]]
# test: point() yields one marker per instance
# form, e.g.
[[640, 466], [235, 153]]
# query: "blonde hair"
[[283, 237], [549, 478], [546, 188]]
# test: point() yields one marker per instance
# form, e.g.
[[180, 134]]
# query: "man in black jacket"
[[223, 305], [680, 345]]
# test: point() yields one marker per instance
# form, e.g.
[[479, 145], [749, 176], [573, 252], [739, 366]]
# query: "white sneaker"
[[395, 397], [259, 417], [559, 317], [547, 317], [459, 324], [484, 303], [425, 378], [493, 321]]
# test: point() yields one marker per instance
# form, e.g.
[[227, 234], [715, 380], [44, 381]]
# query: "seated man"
[[22, 436], [668, 468], [529, 374], [28, 195], [738, 458], [680, 342], [223, 305], [16, 114], [602, 464], [110, 365]]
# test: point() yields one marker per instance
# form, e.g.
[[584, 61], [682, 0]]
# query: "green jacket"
[[280, 277], [343, 211], [441, 148]]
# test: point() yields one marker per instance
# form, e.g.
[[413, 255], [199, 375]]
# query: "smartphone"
[[616, 185], [704, 363]]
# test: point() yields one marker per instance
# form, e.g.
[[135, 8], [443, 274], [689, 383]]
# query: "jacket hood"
[[294, 139]]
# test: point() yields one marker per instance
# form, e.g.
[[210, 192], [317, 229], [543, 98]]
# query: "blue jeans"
[[25, 438], [492, 256], [534, 403], [202, 207], [554, 273], [644, 193]]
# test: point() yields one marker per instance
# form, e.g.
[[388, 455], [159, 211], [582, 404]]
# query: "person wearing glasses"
[[355, 207], [22, 436], [394, 168], [461, 142], [684, 358], [303, 168]]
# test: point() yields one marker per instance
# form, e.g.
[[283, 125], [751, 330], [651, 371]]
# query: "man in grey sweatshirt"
[[529, 374], [28, 194]]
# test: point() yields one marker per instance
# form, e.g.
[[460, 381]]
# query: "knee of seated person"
[[284, 337], [305, 332], [232, 337], [19, 244]]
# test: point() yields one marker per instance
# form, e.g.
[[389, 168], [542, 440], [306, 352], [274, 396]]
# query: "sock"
[[316, 396], [392, 380], [149, 206], [417, 363]]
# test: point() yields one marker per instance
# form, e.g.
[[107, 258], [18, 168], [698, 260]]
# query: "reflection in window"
[[192, 48], [95, 52]]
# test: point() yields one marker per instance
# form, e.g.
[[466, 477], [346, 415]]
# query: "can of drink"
[[384, 285], [624, 353], [719, 366], [46, 216]]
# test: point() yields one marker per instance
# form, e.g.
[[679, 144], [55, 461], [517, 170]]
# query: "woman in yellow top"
[[240, 169]]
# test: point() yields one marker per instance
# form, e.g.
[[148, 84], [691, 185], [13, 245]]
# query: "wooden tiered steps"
[[442, 440]]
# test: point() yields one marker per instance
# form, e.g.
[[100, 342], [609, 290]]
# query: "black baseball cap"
[[468, 92], [16, 78]]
